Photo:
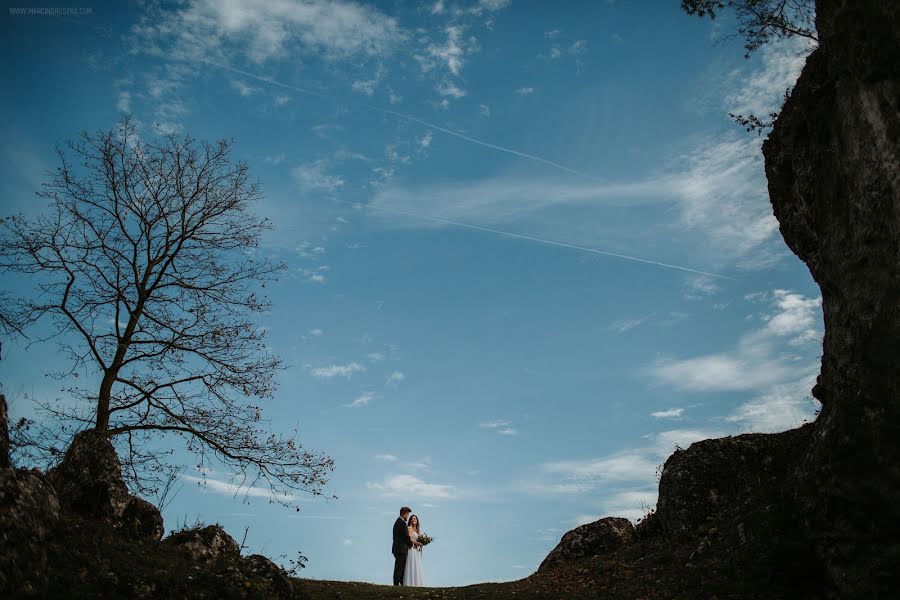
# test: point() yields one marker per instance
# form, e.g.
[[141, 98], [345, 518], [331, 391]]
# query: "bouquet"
[[425, 539]]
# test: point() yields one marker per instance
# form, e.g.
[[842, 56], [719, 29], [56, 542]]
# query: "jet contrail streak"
[[472, 140], [409, 118], [550, 242]]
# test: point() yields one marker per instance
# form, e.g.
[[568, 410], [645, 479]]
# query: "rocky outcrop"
[[819, 507], [78, 532], [206, 544], [724, 475], [89, 479], [833, 165], [141, 520], [268, 576], [29, 512], [592, 539]]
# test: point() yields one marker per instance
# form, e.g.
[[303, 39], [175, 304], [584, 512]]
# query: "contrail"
[[472, 140], [548, 242], [409, 118]]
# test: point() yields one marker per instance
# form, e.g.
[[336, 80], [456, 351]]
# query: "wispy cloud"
[[760, 359], [625, 325], [525, 90], [395, 378], [450, 89], [672, 413], [331, 371], [500, 426], [314, 176], [413, 488], [386, 457], [234, 489], [266, 29], [362, 400]]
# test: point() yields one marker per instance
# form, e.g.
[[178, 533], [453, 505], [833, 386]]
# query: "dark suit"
[[399, 549]]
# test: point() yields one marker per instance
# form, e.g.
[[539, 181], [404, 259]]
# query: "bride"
[[413, 574]]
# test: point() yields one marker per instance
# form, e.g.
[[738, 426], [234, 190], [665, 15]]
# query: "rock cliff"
[[815, 512]]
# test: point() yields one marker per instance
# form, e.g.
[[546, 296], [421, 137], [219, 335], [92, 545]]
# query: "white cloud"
[[762, 91], [625, 325], [628, 472], [337, 371], [578, 47], [507, 431], [552, 35], [242, 88], [368, 86], [265, 29], [485, 110], [438, 8], [281, 99], [425, 140], [525, 90], [699, 286], [494, 424], [779, 408], [413, 488], [672, 413], [386, 457], [760, 359], [362, 400], [232, 489], [395, 378], [449, 54], [123, 104], [316, 332], [314, 177], [449, 89]]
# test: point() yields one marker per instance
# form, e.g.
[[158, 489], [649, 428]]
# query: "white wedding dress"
[[413, 575]]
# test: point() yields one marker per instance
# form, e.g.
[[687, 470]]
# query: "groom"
[[401, 544]]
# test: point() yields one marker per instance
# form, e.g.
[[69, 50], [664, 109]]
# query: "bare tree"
[[147, 269]]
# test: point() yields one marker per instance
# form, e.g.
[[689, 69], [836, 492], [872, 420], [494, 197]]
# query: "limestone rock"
[[89, 479], [591, 539], [140, 519], [208, 544], [29, 510], [722, 475], [266, 575], [833, 167]]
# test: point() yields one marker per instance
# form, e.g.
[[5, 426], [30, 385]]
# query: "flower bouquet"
[[425, 539]]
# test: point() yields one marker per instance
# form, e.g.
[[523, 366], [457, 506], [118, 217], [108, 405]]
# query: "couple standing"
[[407, 566]]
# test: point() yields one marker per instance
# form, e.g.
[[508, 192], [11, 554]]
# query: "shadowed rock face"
[[833, 165], [89, 479], [591, 539], [815, 511]]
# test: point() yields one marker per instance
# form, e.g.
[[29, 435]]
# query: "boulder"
[[89, 479], [29, 511], [206, 544], [265, 575], [141, 520], [589, 540], [717, 476]]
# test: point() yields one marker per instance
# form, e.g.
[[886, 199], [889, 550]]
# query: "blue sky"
[[529, 253]]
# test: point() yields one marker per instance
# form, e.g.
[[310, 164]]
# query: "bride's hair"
[[411, 517]]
